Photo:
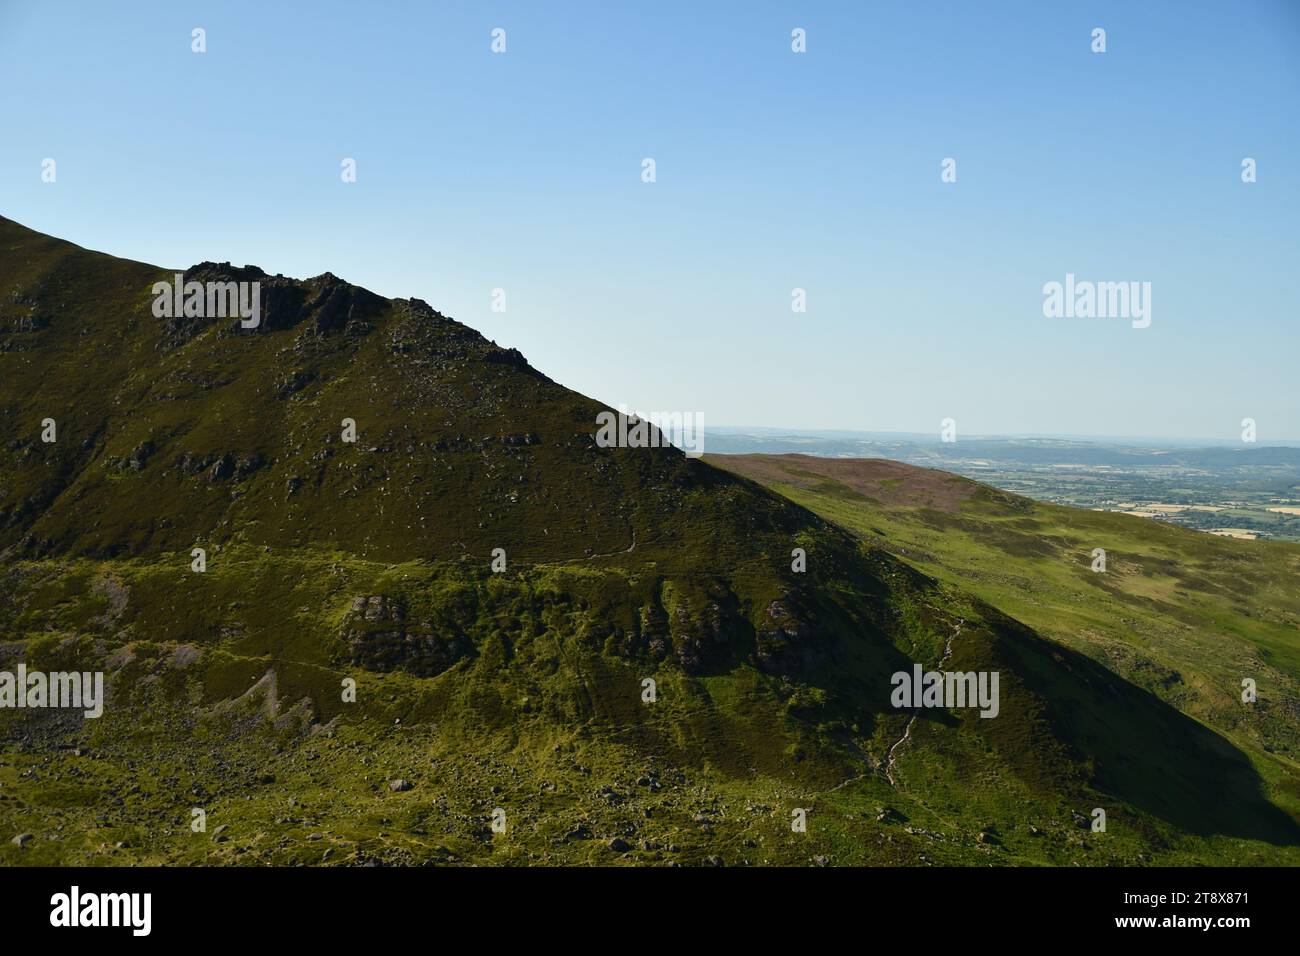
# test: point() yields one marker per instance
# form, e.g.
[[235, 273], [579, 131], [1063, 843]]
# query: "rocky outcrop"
[[380, 636]]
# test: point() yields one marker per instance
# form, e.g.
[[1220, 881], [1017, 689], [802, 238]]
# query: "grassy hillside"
[[332, 563], [1182, 614]]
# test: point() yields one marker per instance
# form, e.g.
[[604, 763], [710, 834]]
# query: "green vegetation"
[[329, 562], [1181, 614]]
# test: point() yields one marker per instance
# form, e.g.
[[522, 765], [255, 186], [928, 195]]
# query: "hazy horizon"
[[1164, 440]]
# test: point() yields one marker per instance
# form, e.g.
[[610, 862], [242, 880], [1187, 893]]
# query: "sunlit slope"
[[1184, 614]]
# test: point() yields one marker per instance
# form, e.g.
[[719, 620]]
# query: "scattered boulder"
[[140, 455]]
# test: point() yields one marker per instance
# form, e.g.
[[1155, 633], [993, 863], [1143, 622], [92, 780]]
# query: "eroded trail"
[[888, 765], [605, 554]]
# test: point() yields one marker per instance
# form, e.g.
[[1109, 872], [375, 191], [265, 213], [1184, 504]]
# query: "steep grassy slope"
[[330, 562], [1182, 614]]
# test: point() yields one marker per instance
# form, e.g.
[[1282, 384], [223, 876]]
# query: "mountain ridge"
[[372, 561]]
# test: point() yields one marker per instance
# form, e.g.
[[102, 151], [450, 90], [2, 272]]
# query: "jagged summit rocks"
[[321, 306]]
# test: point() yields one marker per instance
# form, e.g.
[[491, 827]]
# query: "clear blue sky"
[[775, 171]]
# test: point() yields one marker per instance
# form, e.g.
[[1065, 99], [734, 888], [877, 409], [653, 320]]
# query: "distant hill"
[[1254, 489], [523, 689]]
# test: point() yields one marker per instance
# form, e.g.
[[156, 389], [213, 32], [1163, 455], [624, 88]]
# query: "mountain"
[[356, 676]]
